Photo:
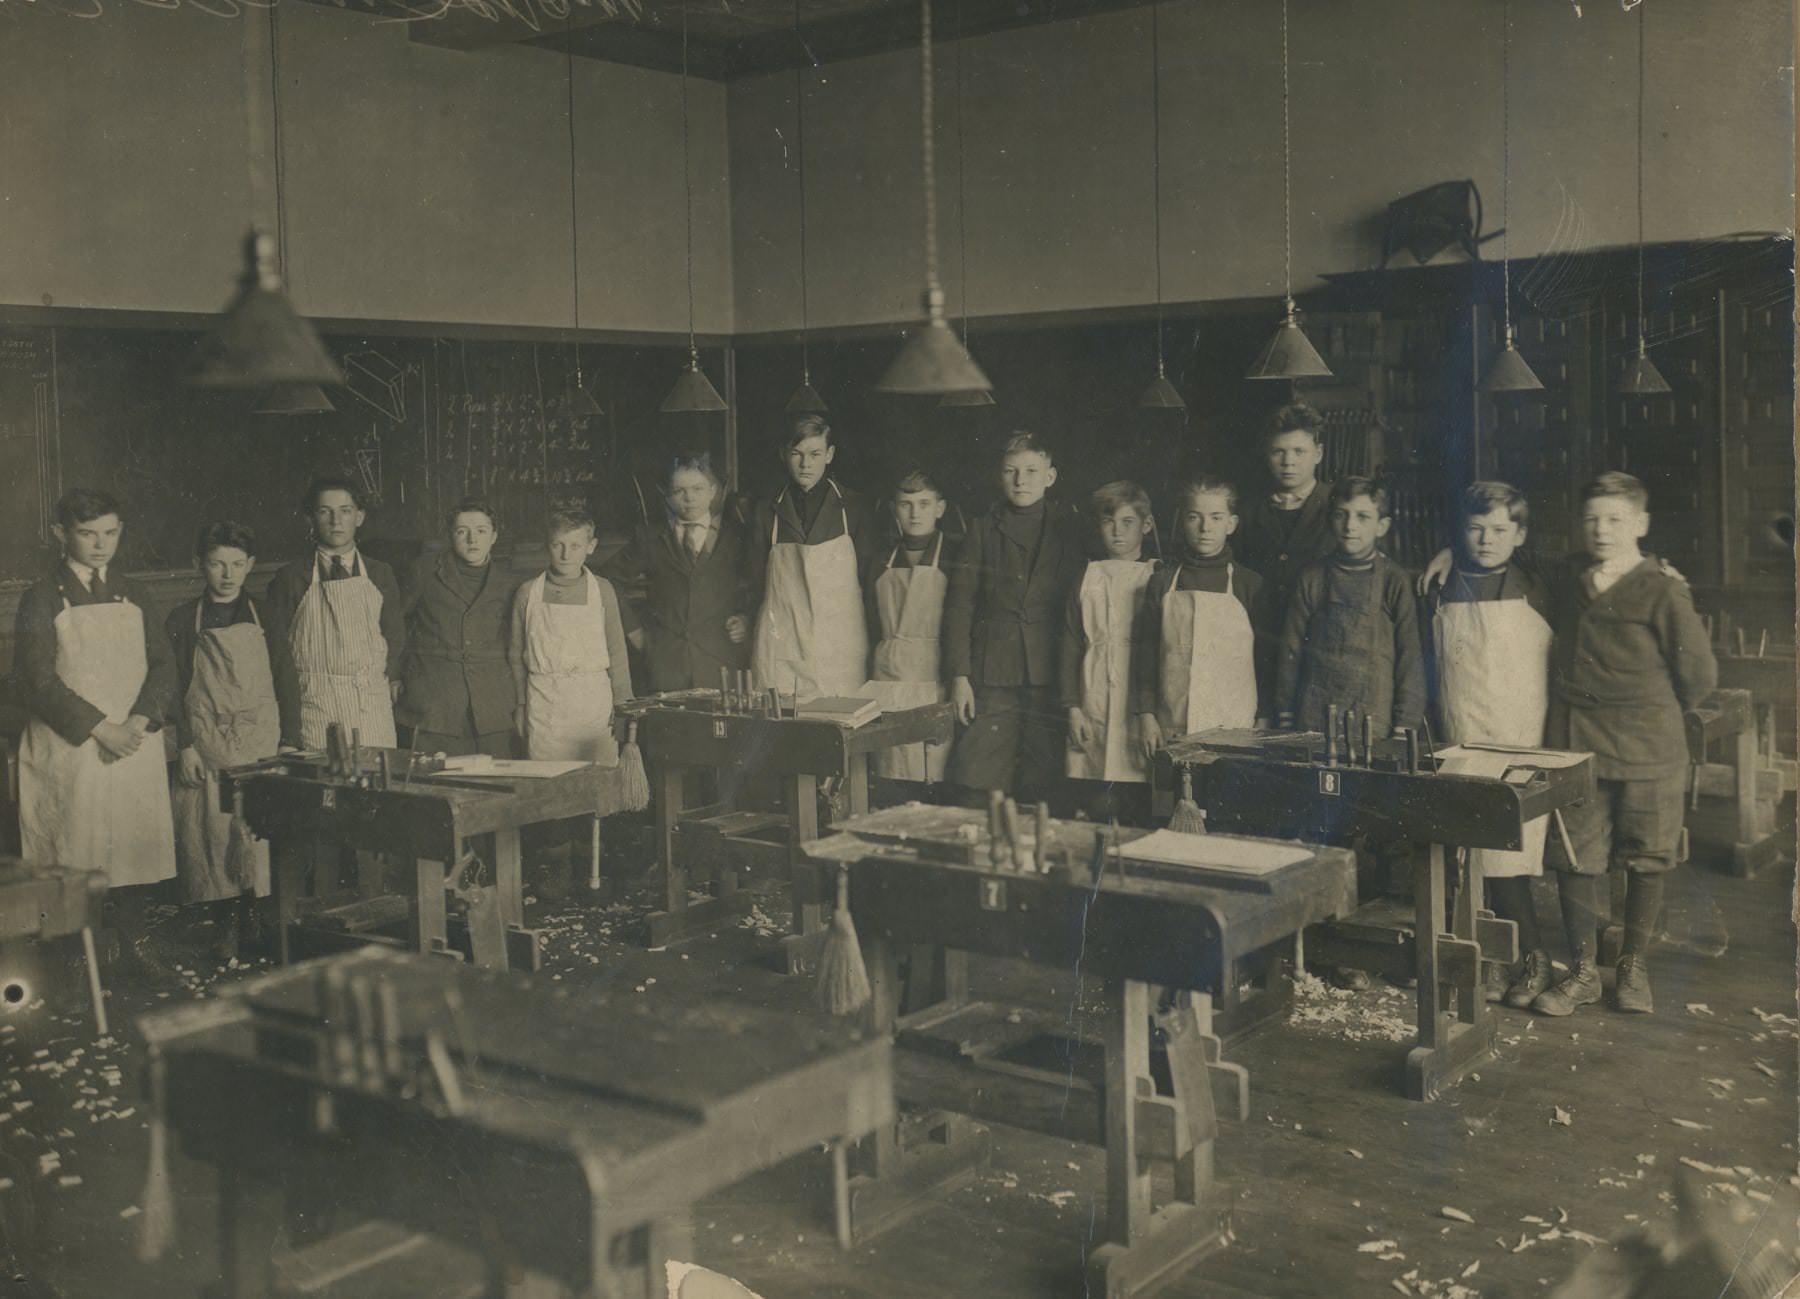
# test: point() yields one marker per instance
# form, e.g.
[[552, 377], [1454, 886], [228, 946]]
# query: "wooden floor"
[[1569, 1137]]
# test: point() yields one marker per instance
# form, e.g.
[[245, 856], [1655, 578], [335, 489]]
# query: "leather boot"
[[1580, 988]]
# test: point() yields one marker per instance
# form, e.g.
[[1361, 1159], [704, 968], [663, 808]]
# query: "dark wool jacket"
[[687, 600], [454, 664], [1004, 611]]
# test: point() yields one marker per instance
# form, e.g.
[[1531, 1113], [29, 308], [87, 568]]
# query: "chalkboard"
[[420, 423]]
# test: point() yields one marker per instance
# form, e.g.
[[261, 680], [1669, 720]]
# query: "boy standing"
[[906, 595], [1490, 634], [458, 694], [1001, 614], [337, 626], [226, 715], [568, 651], [1103, 612], [806, 549], [1629, 655], [1289, 528], [696, 609], [1351, 635], [93, 788], [1197, 648]]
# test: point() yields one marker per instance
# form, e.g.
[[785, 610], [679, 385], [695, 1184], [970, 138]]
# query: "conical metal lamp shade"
[[1508, 371], [934, 361], [294, 399], [975, 397], [693, 393], [261, 340], [1289, 354], [806, 401], [1161, 394], [578, 403], [1642, 378]]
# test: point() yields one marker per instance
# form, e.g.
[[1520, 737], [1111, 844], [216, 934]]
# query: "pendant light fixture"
[[975, 397], [933, 361], [1161, 394], [806, 399], [693, 392], [1508, 371], [1642, 378], [1289, 354], [261, 339], [577, 403]]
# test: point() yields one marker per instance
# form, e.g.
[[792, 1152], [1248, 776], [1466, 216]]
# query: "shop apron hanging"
[[1208, 661], [568, 690], [1494, 688], [234, 719], [1111, 590], [810, 636], [340, 657], [75, 809], [909, 600]]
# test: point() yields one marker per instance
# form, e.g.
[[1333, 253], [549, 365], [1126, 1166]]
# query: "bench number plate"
[[1328, 783], [328, 798], [993, 895], [718, 728]]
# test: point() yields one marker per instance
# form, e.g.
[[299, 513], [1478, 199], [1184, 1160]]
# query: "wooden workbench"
[[685, 731], [1731, 816], [1278, 783], [557, 1133], [1161, 944], [425, 820], [40, 903]]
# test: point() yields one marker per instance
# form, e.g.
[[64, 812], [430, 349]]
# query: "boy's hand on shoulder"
[[1669, 570], [394, 689], [1150, 735], [1437, 572], [193, 768], [737, 627], [1081, 733], [962, 698]]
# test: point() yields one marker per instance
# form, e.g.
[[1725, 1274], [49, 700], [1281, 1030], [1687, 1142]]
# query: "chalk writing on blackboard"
[[378, 382]]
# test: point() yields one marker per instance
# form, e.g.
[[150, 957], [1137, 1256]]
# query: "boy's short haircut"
[[1486, 496], [331, 483], [1617, 484], [569, 520], [85, 504], [472, 505], [1345, 490], [1021, 442], [698, 461], [1119, 495], [807, 426], [1295, 417], [917, 480], [1208, 483], [228, 532]]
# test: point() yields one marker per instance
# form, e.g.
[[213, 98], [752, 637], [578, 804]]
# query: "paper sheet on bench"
[[481, 764], [1494, 759], [1215, 852]]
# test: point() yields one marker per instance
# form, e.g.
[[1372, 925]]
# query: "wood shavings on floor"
[[1380, 1014]]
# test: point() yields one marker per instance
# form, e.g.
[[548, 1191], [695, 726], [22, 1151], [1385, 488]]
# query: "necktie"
[[696, 537], [338, 571], [97, 585]]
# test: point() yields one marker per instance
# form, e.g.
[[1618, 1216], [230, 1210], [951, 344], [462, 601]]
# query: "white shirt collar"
[[86, 573], [350, 560]]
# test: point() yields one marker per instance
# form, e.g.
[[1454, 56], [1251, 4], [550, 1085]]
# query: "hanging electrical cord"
[[1640, 172], [1161, 394], [687, 181], [1287, 169], [576, 401], [962, 209], [800, 169], [1508, 371], [279, 160]]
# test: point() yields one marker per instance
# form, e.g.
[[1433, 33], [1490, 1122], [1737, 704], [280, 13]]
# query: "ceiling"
[[727, 39]]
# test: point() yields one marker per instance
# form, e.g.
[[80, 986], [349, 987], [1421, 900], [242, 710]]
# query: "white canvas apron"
[[1494, 688], [810, 635], [340, 657], [1208, 661], [232, 713], [568, 679], [909, 600], [1111, 592], [75, 809]]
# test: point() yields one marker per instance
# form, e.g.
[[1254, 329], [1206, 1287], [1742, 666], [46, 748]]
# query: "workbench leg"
[[594, 853], [250, 1212], [670, 1237], [1448, 965], [93, 978], [858, 778], [430, 915], [668, 814], [509, 878], [1470, 1005], [286, 879], [1744, 776], [1428, 924], [803, 825], [1127, 1037]]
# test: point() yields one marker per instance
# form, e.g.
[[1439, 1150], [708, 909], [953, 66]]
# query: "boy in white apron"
[[226, 715], [93, 784], [337, 628], [1099, 625], [1490, 638], [568, 651], [1196, 654], [806, 549], [907, 595]]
